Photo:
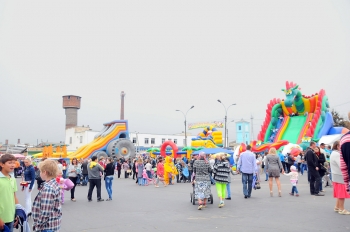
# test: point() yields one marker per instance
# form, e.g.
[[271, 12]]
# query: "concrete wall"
[[71, 104]]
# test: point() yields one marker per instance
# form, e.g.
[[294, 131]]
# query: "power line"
[[342, 104]]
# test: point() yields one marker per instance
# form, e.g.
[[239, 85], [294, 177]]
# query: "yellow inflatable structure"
[[61, 152], [209, 138]]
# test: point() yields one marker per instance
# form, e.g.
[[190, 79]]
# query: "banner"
[[217, 124]]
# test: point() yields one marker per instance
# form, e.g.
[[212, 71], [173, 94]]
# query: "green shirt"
[[8, 187]]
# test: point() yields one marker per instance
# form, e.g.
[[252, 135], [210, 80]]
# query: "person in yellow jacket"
[[170, 170]]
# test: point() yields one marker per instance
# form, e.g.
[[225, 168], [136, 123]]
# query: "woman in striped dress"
[[221, 172]]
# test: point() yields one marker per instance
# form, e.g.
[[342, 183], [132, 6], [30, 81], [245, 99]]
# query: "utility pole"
[[252, 127]]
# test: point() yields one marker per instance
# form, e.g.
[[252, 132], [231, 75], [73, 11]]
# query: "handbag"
[[323, 168]]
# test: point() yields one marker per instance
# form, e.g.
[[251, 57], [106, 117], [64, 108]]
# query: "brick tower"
[[71, 104], [122, 95]]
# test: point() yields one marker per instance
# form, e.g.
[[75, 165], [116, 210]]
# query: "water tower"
[[71, 104]]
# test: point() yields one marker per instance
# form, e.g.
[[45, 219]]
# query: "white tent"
[[329, 139]]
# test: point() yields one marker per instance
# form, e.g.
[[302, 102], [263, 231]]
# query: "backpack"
[[185, 172]]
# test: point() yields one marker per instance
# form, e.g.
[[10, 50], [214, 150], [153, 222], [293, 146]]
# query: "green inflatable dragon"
[[298, 118]]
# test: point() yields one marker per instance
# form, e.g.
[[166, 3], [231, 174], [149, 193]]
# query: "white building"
[[144, 141], [79, 136]]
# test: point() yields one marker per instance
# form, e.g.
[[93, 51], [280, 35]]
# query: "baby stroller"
[[193, 195]]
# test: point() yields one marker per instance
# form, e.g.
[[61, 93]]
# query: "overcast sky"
[[165, 55]]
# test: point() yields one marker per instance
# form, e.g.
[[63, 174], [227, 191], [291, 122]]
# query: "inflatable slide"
[[112, 140], [298, 118]]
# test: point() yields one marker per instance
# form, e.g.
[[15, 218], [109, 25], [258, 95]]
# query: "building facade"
[[243, 132], [143, 141], [79, 136]]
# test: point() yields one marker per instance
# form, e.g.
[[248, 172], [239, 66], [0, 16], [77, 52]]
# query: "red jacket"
[[160, 169]]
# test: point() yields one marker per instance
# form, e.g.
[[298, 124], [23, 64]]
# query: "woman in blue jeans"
[[109, 173]]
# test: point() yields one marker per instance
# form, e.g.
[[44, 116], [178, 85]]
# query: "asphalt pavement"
[[146, 208]]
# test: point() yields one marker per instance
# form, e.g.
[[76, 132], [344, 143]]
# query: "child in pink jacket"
[[293, 180], [144, 177]]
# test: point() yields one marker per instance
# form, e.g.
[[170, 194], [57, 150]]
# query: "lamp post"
[[227, 132], [226, 116], [137, 141], [185, 123]]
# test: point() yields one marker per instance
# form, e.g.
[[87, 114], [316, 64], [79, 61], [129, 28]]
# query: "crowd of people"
[[324, 167]]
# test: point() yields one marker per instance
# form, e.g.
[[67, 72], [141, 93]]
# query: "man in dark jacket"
[[119, 168], [84, 172], [94, 172], [312, 164]]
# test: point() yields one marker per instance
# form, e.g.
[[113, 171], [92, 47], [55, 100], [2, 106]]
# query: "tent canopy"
[[329, 139]]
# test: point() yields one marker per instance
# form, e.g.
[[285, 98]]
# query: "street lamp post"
[[227, 132], [226, 117], [185, 115]]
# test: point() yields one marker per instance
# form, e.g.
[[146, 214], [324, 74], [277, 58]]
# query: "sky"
[[165, 55]]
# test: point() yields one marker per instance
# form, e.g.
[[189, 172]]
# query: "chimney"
[[71, 104], [7, 142], [19, 141], [122, 95]]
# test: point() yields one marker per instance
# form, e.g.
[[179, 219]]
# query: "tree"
[[339, 120]]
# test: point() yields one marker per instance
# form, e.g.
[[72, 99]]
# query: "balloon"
[[295, 151], [68, 184]]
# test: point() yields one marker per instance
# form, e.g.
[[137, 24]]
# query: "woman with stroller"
[[201, 170]]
